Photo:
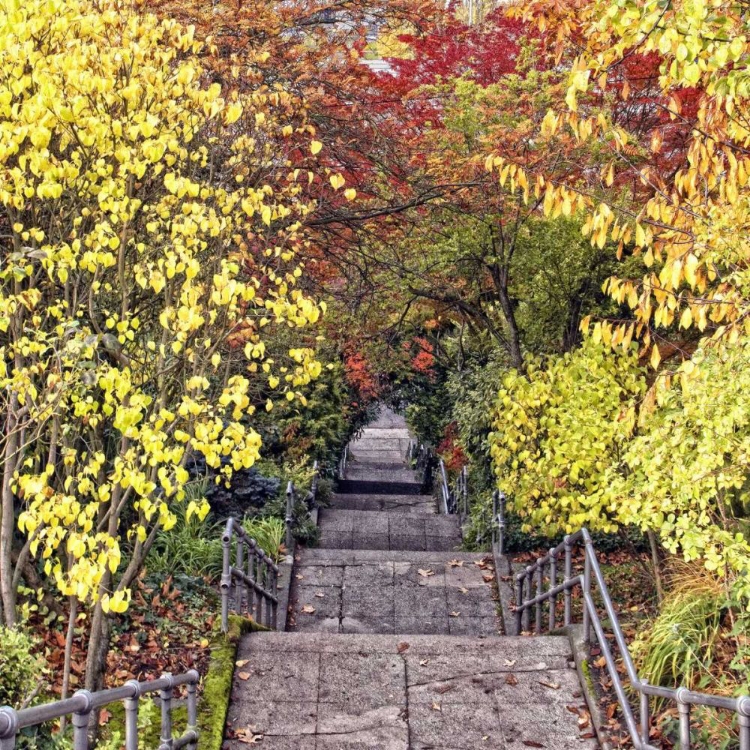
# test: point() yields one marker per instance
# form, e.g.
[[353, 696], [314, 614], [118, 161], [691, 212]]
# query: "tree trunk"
[[7, 518], [514, 337]]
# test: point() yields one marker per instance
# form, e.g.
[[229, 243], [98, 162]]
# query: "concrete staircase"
[[397, 641]]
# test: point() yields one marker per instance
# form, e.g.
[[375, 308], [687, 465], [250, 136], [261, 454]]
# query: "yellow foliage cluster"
[[693, 230], [134, 250]]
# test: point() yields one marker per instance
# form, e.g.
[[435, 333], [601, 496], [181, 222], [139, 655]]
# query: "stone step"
[[377, 463], [305, 691], [377, 443], [394, 592], [389, 530], [356, 473], [357, 487], [396, 503], [385, 456]]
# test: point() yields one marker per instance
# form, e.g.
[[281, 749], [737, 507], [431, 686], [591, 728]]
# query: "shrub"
[[20, 668]]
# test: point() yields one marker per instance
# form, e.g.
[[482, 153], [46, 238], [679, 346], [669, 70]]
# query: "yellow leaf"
[[315, 147]]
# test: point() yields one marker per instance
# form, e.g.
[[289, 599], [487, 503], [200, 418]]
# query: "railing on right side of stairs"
[[531, 594]]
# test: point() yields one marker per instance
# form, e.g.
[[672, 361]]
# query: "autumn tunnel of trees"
[[227, 236]]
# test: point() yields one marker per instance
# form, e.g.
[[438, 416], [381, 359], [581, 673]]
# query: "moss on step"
[[217, 684]]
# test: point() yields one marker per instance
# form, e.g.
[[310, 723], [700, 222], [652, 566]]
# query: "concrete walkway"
[[397, 642]]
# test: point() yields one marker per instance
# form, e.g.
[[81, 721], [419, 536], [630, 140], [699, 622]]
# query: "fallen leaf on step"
[[320, 594], [436, 707], [444, 688], [241, 662], [244, 675], [510, 662], [308, 609], [455, 614], [426, 572], [299, 576], [464, 590], [488, 578], [533, 743], [583, 722], [511, 679], [456, 563], [402, 647], [424, 662], [248, 736], [552, 685]]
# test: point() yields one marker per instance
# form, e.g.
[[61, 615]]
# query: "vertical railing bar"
[[239, 564], [274, 602], [8, 728], [165, 695], [501, 522], [81, 721], [552, 584], [683, 708], [586, 591], [645, 718], [192, 711], [226, 577], [528, 597], [743, 718], [568, 576], [131, 717], [539, 587], [251, 575], [289, 519], [260, 579], [519, 603]]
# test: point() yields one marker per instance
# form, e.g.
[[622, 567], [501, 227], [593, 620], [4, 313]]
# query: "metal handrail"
[[291, 502], [82, 703], [535, 576], [254, 576], [343, 462]]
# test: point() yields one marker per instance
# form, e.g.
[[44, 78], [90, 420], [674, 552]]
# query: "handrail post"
[[527, 610], [226, 581], [587, 591], [519, 603], [274, 604], [289, 520], [166, 713], [743, 718], [683, 708], [539, 587], [645, 719], [192, 711], [568, 576], [251, 560], [501, 522], [131, 717], [8, 727], [239, 563], [81, 721], [552, 584]]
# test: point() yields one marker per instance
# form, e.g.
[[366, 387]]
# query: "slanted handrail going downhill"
[[83, 703], [531, 594], [254, 576]]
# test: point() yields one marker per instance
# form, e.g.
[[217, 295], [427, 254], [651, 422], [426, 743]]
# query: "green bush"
[[268, 533], [21, 669]]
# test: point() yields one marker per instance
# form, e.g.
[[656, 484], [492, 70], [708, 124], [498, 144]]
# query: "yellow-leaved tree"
[[149, 229]]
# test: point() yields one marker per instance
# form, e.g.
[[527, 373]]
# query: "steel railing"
[[253, 575], [83, 703], [531, 594]]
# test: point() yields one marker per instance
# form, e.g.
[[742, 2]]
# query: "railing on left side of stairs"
[[538, 585], [252, 575], [83, 703]]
